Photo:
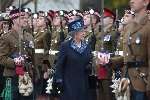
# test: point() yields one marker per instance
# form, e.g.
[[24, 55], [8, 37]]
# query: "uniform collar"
[[138, 23], [142, 19]]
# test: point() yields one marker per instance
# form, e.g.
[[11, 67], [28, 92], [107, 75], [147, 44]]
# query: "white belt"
[[39, 50], [119, 53], [52, 52]]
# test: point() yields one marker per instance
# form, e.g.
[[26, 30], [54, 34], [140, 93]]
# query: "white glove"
[[124, 84], [103, 58]]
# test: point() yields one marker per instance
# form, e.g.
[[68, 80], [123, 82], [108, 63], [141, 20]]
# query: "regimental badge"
[[107, 38]]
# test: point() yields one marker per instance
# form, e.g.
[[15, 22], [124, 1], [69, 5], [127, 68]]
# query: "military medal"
[[55, 41], [31, 44], [138, 41], [107, 38]]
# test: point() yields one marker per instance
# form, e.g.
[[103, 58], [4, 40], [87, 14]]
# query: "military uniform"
[[55, 43], [41, 40], [9, 49], [106, 44], [136, 47]]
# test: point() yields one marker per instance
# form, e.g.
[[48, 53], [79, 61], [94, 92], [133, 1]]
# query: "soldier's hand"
[[46, 75], [124, 83], [103, 58], [19, 61]]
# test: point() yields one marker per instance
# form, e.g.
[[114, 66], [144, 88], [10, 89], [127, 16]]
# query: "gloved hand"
[[19, 63], [124, 83], [103, 58]]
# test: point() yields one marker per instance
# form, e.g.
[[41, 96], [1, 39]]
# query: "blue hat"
[[75, 26]]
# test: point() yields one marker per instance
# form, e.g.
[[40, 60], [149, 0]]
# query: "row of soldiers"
[[29, 46]]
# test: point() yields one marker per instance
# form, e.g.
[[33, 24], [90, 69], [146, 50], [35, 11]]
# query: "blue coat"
[[71, 68]]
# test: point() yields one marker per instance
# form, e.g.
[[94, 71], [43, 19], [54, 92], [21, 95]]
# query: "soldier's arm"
[[47, 42], [5, 60], [118, 58]]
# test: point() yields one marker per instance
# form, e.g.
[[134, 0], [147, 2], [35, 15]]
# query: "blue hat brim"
[[75, 31]]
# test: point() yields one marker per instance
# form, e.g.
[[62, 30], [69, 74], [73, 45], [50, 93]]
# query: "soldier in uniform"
[[117, 60], [127, 19], [58, 34], [107, 46], [13, 44], [92, 21], [136, 50], [28, 16], [6, 24], [42, 46]]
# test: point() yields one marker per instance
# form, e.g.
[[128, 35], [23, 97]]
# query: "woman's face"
[[80, 35]]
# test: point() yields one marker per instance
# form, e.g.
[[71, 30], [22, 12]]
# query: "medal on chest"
[[138, 40], [107, 38]]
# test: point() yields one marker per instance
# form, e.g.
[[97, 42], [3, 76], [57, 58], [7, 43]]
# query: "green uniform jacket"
[[9, 45], [138, 34]]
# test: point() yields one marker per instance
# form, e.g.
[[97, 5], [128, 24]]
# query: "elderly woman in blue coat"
[[73, 61]]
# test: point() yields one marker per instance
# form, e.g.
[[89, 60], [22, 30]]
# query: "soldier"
[[42, 46], [6, 24], [14, 44], [58, 34], [117, 60], [91, 21], [107, 46], [28, 17], [136, 50], [127, 19]]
